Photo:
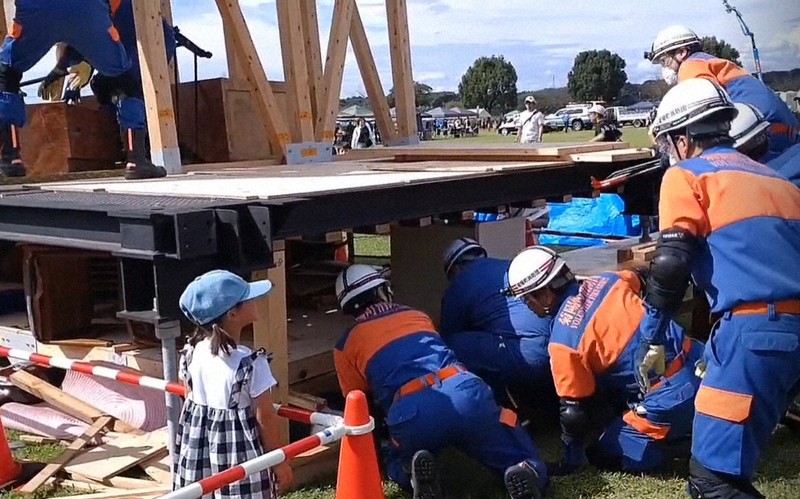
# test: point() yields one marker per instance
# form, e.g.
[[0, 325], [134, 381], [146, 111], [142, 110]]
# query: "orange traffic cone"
[[359, 477], [9, 469]]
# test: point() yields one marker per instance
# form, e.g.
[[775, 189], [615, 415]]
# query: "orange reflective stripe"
[[112, 31], [16, 30], [423, 382], [722, 404], [781, 307], [645, 426], [508, 417]]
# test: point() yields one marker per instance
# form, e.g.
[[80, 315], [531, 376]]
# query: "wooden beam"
[[295, 70], [271, 331], [253, 72], [166, 13], [7, 8], [313, 52], [62, 459], [334, 69], [236, 71], [157, 89], [400, 52], [372, 81]]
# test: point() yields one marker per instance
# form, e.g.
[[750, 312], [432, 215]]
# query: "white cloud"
[[541, 38]]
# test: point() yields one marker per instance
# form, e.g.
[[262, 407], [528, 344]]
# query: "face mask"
[[669, 75]]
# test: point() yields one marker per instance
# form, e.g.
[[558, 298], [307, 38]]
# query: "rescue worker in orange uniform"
[[394, 354], [732, 225], [679, 51], [598, 327]]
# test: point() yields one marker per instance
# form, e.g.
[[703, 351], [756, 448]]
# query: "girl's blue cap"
[[212, 294]]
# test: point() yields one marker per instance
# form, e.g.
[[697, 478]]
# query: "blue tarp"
[[600, 216]]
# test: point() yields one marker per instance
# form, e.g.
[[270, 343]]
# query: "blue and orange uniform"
[[495, 336], [744, 88], [788, 164], [83, 24], [747, 261], [596, 334], [430, 400]]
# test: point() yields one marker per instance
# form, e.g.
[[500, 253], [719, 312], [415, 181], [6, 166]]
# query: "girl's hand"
[[283, 473]]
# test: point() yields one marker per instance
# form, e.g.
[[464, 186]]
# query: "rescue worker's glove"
[[649, 357], [79, 76], [53, 85], [575, 425]]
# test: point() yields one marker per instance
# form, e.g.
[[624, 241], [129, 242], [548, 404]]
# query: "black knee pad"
[[9, 79], [707, 484], [127, 84], [103, 89]]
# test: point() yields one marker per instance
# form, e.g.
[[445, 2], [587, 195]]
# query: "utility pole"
[[730, 9]]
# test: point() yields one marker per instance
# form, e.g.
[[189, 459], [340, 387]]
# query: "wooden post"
[[334, 69], [400, 52], [271, 332], [7, 7], [372, 81], [166, 13], [313, 52], [295, 69], [253, 72], [156, 83]]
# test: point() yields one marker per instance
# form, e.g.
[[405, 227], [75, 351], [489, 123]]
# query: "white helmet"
[[669, 39], [457, 249], [598, 109], [357, 279], [532, 269], [689, 104], [749, 127]]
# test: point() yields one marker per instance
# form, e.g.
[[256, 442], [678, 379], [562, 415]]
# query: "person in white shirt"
[[228, 416], [531, 123], [363, 136]]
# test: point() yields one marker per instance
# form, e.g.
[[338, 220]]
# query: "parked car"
[[578, 118], [509, 127], [624, 116]]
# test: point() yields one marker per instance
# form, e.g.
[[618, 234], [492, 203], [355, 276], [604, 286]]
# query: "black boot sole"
[[522, 483], [425, 476], [13, 171], [138, 175]]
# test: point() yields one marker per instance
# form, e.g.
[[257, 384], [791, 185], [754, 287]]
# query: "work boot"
[[138, 165], [10, 161], [425, 476], [522, 482]]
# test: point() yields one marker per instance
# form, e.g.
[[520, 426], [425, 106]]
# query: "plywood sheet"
[[113, 458], [472, 167]]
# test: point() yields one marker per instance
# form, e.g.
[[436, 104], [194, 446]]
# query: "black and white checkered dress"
[[212, 440]]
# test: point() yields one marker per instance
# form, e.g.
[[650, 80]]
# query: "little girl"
[[228, 417]]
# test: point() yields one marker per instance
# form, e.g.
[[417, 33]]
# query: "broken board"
[[111, 459]]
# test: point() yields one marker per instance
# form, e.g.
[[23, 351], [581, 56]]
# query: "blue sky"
[[541, 38]]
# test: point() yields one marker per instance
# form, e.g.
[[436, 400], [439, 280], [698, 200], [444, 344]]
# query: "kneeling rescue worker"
[[598, 329], [430, 400]]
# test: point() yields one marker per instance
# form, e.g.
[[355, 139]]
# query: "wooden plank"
[[307, 401], [631, 154], [253, 72], [166, 13], [295, 70], [643, 252], [129, 494], [328, 107], [117, 482], [159, 468], [63, 401], [313, 52], [157, 89], [118, 455], [439, 166], [400, 52], [236, 67], [270, 332], [372, 81], [69, 453]]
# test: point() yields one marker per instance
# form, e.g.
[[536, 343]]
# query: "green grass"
[[637, 137]]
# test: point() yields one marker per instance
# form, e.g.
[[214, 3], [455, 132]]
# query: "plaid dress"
[[213, 440]]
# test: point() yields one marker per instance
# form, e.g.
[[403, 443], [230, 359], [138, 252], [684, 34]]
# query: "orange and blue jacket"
[[746, 89], [747, 218], [389, 346], [596, 333]]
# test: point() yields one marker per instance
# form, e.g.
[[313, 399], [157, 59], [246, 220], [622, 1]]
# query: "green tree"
[[597, 75], [722, 49], [490, 83], [422, 95]]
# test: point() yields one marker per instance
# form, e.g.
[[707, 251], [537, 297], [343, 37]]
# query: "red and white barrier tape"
[[292, 413]]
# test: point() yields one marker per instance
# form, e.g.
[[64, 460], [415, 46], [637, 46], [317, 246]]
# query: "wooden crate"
[[227, 127], [62, 139]]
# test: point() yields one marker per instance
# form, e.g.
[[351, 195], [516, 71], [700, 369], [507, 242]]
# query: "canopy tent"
[[355, 111], [464, 112], [482, 113], [439, 113], [644, 105]]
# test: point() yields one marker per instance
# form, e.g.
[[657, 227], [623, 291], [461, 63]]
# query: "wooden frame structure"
[[313, 85]]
